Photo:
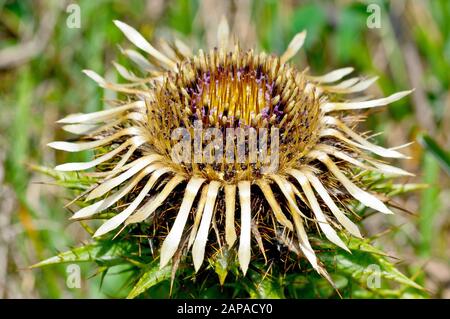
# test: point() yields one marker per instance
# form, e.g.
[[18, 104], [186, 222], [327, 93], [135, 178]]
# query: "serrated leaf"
[[365, 260], [396, 189], [107, 252], [151, 276], [71, 180]]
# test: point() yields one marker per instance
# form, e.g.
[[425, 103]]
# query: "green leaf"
[[19, 133], [152, 276], [71, 180], [429, 204], [365, 261], [263, 285], [438, 152], [102, 252], [312, 285], [312, 18], [223, 263], [351, 24], [397, 189]]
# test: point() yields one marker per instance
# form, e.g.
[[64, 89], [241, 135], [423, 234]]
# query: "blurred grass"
[[50, 85], [429, 205]]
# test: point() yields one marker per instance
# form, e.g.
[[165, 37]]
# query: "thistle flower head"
[[188, 150]]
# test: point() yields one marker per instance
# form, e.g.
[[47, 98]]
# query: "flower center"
[[235, 97], [234, 90]]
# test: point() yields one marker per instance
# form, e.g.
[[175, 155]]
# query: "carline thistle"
[[181, 152]]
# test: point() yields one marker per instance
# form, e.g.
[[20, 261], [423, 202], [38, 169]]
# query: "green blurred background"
[[41, 59]]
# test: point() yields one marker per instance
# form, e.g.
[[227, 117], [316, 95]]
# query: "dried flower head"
[[238, 94]]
